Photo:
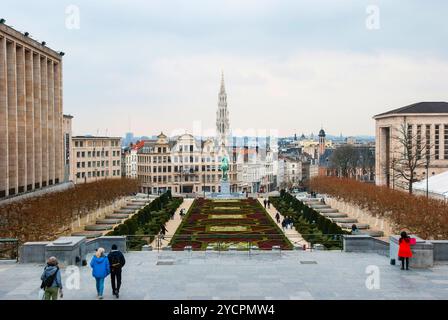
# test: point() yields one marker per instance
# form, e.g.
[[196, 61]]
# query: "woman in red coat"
[[404, 251]]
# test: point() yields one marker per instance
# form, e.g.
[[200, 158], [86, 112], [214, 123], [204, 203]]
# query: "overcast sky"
[[293, 66]]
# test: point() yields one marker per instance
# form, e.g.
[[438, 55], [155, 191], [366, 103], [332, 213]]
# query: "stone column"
[[3, 121], [21, 119], [59, 141], [29, 119], [51, 125], [44, 118], [37, 121], [12, 116]]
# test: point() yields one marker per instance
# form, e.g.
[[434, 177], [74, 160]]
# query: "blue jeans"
[[99, 286]]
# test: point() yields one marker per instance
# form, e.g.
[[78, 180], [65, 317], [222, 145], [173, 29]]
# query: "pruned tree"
[[410, 153]]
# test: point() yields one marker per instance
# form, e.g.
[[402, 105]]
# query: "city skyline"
[[151, 67]]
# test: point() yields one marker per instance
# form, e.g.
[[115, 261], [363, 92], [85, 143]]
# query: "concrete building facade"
[[426, 124], [31, 136], [95, 158]]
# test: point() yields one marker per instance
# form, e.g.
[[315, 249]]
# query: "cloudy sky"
[[291, 66]]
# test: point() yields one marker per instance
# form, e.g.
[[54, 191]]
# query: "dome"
[[321, 133]]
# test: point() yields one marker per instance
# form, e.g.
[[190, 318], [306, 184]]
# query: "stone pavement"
[[296, 275], [291, 234], [173, 224]]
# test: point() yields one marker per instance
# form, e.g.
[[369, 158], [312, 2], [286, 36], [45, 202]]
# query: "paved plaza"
[[294, 275]]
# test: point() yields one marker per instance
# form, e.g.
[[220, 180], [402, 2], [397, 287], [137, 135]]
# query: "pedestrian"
[[354, 229], [116, 262], [404, 250], [277, 217], [284, 224], [269, 203], [163, 231], [51, 280], [100, 270], [265, 203]]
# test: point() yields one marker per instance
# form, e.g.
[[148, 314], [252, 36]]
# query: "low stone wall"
[[440, 250], [106, 242], [68, 250], [362, 215], [365, 243]]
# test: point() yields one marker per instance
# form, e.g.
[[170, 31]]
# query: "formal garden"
[[313, 227], [143, 226], [223, 224], [425, 217], [45, 217]]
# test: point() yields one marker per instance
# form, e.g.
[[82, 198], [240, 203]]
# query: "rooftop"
[[418, 108], [296, 275], [94, 137]]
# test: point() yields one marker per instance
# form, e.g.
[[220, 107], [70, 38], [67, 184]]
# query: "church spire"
[[222, 116]]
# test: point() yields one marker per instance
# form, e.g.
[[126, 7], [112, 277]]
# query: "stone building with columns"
[[427, 122], [31, 129]]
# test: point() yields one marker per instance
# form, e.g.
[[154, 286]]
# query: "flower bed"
[[228, 223]]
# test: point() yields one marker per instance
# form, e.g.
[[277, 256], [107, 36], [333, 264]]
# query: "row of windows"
[[96, 164], [177, 159], [99, 143], [93, 174], [93, 154]]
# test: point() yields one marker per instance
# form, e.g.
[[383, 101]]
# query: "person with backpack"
[[100, 270], [404, 250], [51, 280], [116, 262]]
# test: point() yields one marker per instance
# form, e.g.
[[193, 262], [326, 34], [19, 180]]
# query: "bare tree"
[[345, 160], [411, 152]]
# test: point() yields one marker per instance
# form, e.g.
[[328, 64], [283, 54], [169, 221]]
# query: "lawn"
[[228, 223]]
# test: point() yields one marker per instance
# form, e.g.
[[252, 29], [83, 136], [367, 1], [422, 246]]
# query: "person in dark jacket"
[[265, 202], [100, 270], [51, 271], [404, 250], [116, 262], [277, 217]]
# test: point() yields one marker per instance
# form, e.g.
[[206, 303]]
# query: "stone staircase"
[[342, 219], [111, 220]]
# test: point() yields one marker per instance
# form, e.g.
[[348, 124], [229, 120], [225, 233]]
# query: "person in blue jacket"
[[100, 270]]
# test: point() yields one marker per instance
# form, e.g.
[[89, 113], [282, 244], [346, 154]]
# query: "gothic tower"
[[321, 142], [222, 117]]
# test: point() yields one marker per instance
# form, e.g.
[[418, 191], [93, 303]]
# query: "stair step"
[[344, 220], [358, 225], [327, 210], [117, 216], [124, 210], [373, 233], [87, 234], [98, 227], [335, 215], [320, 206], [108, 221]]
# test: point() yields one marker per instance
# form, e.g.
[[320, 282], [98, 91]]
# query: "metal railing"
[[234, 242], [9, 249]]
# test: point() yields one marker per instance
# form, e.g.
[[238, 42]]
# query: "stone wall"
[[363, 216]]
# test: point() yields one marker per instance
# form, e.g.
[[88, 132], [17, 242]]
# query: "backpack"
[[115, 262], [46, 283]]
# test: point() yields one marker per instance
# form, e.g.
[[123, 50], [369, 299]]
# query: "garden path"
[[292, 234], [172, 224]]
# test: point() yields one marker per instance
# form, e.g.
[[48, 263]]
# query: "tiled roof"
[[420, 107]]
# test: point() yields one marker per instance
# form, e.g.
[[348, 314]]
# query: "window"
[[436, 142], [445, 141]]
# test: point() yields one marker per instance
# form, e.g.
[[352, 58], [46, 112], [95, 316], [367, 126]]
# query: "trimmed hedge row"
[[314, 227], [148, 221]]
